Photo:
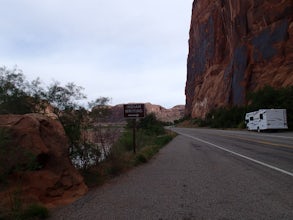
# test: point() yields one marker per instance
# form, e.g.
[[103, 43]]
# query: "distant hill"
[[163, 114]]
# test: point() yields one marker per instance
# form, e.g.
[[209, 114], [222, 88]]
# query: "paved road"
[[201, 174]]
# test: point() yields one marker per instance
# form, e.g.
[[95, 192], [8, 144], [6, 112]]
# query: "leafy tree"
[[65, 99], [19, 96], [99, 109], [104, 136], [13, 98], [93, 139]]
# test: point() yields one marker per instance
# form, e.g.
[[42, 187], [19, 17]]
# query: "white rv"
[[265, 119]]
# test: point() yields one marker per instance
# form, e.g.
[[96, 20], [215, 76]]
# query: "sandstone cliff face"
[[237, 46], [56, 181]]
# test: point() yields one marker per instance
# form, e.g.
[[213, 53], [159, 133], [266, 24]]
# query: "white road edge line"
[[239, 155]]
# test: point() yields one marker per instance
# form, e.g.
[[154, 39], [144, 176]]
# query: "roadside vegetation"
[[97, 149], [233, 117], [150, 138]]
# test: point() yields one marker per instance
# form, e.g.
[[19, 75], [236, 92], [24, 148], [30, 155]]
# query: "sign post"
[[134, 136], [134, 111]]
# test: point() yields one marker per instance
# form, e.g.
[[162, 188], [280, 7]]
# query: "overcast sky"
[[130, 50]]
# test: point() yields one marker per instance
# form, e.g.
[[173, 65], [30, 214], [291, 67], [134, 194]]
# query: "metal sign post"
[[134, 111], [134, 136]]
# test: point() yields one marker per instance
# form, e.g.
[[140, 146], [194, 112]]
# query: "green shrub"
[[16, 204], [4, 138], [225, 117], [241, 125], [184, 118], [35, 211], [140, 158], [151, 125], [163, 140], [126, 140], [115, 166]]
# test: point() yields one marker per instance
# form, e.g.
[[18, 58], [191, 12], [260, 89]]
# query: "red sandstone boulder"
[[55, 181]]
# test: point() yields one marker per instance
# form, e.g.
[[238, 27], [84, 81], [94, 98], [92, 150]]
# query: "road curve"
[[192, 179]]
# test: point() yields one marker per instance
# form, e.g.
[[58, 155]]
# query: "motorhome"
[[266, 119]]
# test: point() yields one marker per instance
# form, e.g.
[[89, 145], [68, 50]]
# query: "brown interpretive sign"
[[134, 110]]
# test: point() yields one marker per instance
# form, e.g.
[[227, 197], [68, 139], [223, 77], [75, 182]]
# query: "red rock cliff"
[[237, 46]]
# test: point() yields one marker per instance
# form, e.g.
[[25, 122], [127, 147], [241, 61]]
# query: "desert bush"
[[225, 117], [35, 211], [163, 139], [126, 140], [139, 159], [151, 125], [29, 212]]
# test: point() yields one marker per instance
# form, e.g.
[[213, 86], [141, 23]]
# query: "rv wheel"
[[258, 130]]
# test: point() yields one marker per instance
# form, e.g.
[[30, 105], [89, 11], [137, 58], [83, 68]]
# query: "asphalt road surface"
[[201, 174]]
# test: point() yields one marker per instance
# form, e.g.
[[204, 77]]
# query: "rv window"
[[261, 116], [251, 118]]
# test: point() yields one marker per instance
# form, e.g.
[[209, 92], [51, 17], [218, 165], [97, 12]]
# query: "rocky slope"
[[163, 114], [235, 47], [54, 181], [166, 115]]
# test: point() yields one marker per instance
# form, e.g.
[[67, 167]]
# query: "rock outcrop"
[[166, 115], [163, 114], [55, 181], [235, 47]]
